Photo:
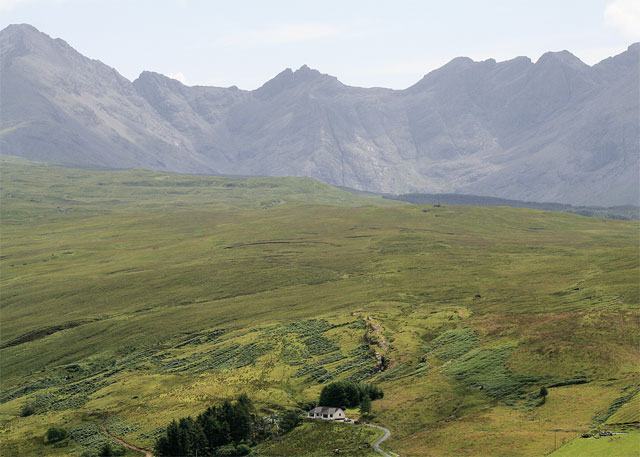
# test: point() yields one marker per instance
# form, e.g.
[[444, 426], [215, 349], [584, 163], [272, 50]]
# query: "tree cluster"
[[219, 431], [347, 394], [226, 430]]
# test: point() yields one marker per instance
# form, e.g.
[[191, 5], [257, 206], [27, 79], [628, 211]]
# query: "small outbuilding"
[[326, 413]]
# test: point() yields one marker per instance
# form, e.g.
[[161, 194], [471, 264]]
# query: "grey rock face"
[[554, 130], [60, 106]]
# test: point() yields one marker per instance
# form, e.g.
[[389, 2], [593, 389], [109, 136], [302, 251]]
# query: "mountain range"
[[556, 130]]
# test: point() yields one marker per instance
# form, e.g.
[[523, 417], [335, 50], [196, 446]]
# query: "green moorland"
[[130, 298]]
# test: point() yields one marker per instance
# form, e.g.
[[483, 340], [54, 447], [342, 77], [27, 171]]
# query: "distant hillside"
[[45, 191], [627, 212], [555, 130]]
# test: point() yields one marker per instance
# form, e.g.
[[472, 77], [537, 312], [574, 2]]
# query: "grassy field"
[[130, 298], [612, 446], [628, 413], [320, 439]]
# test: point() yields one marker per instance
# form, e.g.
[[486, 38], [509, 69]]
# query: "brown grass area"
[[502, 430]]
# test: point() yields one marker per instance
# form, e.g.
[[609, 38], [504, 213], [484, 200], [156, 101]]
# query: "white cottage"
[[326, 413]]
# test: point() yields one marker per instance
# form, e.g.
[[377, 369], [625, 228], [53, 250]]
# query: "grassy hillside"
[[612, 446], [627, 411], [132, 298], [320, 439]]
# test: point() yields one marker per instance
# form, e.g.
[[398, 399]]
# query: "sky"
[[367, 43]]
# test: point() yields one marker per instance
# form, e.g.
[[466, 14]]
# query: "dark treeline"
[[348, 394], [225, 426], [222, 431], [627, 212]]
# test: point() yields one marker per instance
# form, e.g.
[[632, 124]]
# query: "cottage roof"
[[324, 410]]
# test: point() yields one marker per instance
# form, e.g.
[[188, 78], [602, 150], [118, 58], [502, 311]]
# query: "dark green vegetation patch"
[[319, 345], [486, 370], [616, 405], [453, 343]]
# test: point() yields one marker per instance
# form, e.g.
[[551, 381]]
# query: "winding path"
[[376, 445], [130, 446]]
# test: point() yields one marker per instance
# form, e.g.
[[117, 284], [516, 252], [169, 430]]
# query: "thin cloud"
[[11, 4], [286, 33], [418, 67], [624, 16], [179, 76]]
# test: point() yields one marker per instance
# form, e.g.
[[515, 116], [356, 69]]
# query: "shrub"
[[580, 379], [233, 451], [306, 406], [289, 420], [384, 363], [27, 410], [106, 451], [109, 450], [373, 391], [55, 434]]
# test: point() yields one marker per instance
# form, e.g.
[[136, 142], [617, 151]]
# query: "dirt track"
[[130, 446]]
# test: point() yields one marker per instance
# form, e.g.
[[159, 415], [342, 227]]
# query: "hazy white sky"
[[362, 42]]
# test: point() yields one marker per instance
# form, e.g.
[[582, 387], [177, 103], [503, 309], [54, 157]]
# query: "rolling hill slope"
[[134, 297]]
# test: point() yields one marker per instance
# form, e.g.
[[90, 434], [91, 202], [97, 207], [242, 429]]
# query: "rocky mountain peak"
[[510, 129], [303, 77], [13, 29], [306, 74], [561, 58], [151, 77]]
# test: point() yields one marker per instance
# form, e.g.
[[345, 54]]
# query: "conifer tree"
[[365, 405]]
